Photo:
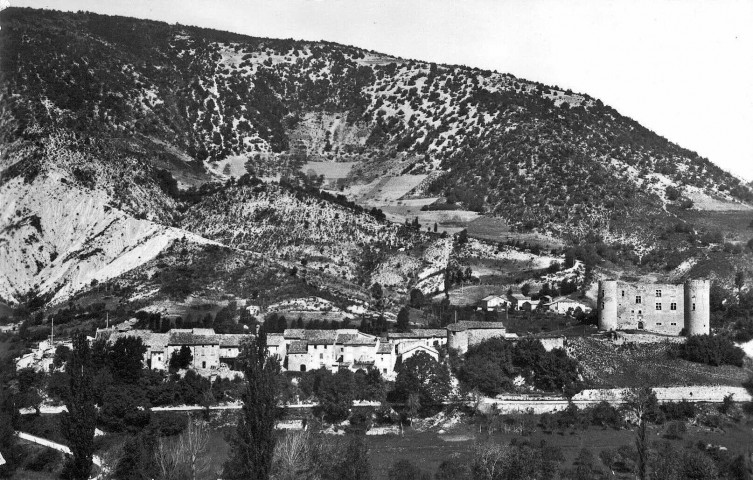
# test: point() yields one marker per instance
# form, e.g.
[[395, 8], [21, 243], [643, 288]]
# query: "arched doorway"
[[640, 325]]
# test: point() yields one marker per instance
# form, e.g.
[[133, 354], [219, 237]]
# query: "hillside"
[[120, 135]]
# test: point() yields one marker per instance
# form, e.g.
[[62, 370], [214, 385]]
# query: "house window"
[[658, 324], [673, 306], [658, 306], [638, 299], [203, 364], [658, 293], [673, 323]]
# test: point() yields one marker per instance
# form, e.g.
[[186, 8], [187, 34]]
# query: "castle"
[[660, 308]]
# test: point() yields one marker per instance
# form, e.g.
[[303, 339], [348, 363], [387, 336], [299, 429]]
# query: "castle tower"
[[607, 305], [697, 320]]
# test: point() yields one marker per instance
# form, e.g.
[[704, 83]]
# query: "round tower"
[[697, 320], [607, 305]]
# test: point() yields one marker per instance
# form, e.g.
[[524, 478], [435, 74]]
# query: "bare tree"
[[292, 457], [184, 457], [642, 403], [167, 460]]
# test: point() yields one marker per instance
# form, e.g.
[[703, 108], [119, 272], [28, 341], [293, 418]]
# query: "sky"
[[683, 68]]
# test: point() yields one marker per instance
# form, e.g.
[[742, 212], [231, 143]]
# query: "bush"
[[712, 350], [682, 410], [605, 415], [675, 430]]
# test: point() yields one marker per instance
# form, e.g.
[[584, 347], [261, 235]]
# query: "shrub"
[[675, 430], [682, 410], [712, 350]]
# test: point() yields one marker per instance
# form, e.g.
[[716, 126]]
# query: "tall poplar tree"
[[253, 443], [80, 420]]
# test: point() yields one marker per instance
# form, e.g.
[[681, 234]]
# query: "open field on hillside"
[[733, 224], [703, 201], [633, 365], [450, 221], [387, 190], [330, 170], [471, 294], [229, 167], [496, 229]]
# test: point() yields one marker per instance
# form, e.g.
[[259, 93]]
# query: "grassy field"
[[497, 230], [633, 365], [733, 224], [435, 442], [429, 450]]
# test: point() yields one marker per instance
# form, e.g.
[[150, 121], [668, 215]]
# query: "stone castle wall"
[[662, 308]]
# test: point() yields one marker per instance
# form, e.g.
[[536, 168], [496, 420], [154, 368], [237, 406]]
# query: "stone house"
[[464, 334]]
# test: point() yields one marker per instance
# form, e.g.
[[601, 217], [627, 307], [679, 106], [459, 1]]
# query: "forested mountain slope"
[[111, 111]]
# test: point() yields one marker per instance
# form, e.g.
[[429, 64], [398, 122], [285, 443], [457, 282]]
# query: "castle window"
[[658, 293], [673, 306], [658, 324], [658, 306], [638, 299], [623, 293], [694, 307], [674, 323]]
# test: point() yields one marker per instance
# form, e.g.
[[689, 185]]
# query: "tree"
[[126, 357], [336, 394], [193, 443], [253, 442], [413, 404], [416, 298], [79, 421], [62, 353], [642, 403], [181, 359], [378, 295], [403, 319], [8, 447], [425, 376]]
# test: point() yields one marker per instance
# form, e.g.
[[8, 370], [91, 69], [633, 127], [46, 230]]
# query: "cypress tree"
[[80, 420], [253, 443]]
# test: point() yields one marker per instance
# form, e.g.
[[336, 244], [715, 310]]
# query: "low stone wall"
[[587, 398], [53, 445]]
